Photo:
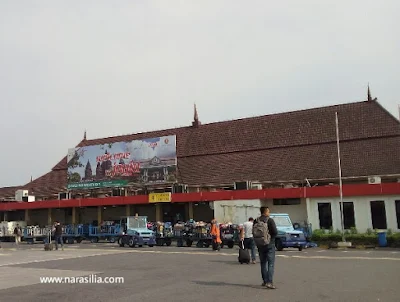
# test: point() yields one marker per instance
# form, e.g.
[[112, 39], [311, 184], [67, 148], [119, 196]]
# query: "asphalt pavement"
[[192, 274]]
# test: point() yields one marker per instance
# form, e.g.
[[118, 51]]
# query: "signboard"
[[119, 164], [159, 197]]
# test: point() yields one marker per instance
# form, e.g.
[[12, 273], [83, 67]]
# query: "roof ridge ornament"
[[196, 122], [369, 96]]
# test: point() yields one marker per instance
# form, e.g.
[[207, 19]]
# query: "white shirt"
[[248, 229]]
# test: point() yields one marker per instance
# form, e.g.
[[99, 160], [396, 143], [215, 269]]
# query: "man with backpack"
[[264, 233]]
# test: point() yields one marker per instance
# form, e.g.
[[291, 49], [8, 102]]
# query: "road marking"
[[345, 258], [66, 257], [279, 255]]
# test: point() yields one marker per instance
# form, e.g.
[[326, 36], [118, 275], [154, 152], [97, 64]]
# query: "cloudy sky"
[[118, 67]]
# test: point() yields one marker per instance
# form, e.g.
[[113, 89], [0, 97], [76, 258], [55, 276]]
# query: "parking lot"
[[192, 274]]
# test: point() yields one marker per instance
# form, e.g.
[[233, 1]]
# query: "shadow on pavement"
[[226, 262], [219, 283]]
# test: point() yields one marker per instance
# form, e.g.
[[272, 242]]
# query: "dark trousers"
[[267, 262], [250, 245], [58, 240]]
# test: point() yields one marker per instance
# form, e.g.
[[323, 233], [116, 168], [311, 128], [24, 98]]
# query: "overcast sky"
[[119, 67]]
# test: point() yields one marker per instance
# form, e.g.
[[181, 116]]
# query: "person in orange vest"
[[216, 235]]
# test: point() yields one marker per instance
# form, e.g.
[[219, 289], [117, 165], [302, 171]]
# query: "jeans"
[[249, 244], [58, 239], [17, 239], [267, 262]]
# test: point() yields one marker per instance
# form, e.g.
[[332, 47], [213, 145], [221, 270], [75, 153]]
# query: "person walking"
[[248, 241], [264, 234], [17, 234], [216, 235], [58, 235]]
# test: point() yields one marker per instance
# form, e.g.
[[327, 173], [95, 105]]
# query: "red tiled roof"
[[8, 192], [286, 146]]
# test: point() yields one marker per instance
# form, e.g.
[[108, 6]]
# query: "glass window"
[[378, 214], [325, 215], [397, 202], [348, 215]]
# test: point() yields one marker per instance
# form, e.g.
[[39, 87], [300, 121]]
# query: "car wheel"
[[279, 245], [300, 248], [131, 242]]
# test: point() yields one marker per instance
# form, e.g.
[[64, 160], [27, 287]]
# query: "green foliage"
[[353, 230], [352, 235]]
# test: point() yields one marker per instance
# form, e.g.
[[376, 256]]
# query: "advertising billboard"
[[119, 164]]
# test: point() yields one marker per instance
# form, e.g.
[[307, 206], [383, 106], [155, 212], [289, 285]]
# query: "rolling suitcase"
[[244, 255], [48, 245]]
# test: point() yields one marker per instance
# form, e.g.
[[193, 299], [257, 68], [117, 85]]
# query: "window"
[[378, 214], [348, 215], [397, 202], [282, 221], [286, 201], [325, 215]]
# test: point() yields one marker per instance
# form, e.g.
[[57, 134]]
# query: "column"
[[191, 215], [73, 215], [27, 217], [158, 212], [99, 212], [49, 218], [128, 210]]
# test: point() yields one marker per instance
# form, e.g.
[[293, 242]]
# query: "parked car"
[[135, 232], [287, 235]]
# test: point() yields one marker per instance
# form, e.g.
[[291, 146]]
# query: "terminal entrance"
[[174, 212]]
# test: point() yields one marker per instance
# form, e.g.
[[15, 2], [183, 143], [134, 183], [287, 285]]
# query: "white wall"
[[297, 213], [239, 211], [236, 211], [362, 211]]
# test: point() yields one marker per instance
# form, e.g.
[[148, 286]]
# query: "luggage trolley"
[[163, 233], [229, 234], [32, 234], [202, 235]]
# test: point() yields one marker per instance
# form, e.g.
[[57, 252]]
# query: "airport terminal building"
[[287, 161]]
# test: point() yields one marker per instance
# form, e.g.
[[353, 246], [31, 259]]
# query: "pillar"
[[27, 216], [128, 210], [159, 212], [99, 212], [49, 218], [73, 215], [191, 215]]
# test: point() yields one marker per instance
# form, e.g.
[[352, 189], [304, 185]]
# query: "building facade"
[[286, 161]]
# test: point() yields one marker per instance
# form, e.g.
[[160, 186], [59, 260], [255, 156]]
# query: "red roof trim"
[[325, 191]]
